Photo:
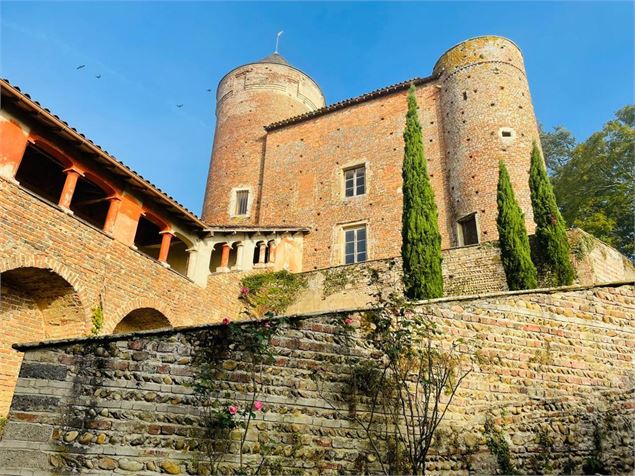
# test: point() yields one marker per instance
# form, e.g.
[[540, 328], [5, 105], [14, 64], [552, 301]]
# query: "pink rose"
[[233, 409], [258, 405], [244, 291], [348, 321], [226, 321], [267, 325]]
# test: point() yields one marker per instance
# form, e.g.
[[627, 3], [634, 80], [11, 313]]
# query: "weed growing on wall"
[[227, 416], [498, 445], [399, 392], [271, 292], [97, 319]]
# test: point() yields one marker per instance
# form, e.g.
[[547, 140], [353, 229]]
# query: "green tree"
[[557, 147], [421, 241], [596, 187], [552, 245], [514, 242]]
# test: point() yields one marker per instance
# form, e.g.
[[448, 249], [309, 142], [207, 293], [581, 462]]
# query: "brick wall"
[[557, 361], [61, 268]]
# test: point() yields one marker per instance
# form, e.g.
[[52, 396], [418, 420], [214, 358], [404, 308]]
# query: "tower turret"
[[247, 99], [487, 116]]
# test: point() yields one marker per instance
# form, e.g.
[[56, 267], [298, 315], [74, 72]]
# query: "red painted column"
[[113, 209], [13, 142], [166, 239], [224, 258], [72, 175]]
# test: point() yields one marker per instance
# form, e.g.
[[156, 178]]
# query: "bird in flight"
[[98, 76], [209, 90], [179, 105], [81, 66]]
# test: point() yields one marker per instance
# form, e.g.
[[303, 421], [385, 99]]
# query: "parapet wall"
[[556, 362]]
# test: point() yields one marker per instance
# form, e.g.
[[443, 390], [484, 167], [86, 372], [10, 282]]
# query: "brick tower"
[[247, 99], [487, 116]]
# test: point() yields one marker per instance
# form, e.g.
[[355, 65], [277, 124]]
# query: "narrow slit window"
[[355, 181], [242, 201], [507, 133], [355, 250]]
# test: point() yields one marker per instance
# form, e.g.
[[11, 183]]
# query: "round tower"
[[487, 117], [247, 99]]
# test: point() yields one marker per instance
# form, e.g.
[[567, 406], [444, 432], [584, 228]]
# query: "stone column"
[[166, 239], [239, 256], [113, 209], [272, 253], [72, 175], [262, 251]]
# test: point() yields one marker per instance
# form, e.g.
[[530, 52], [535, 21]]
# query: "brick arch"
[[51, 264], [134, 305]]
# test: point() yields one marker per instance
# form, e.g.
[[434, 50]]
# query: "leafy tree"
[[552, 245], [421, 241], [514, 242], [596, 187], [557, 147]]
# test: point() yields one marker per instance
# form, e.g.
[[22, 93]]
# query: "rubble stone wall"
[[555, 362]]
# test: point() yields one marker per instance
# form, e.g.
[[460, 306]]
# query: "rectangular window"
[[469, 231], [242, 200], [355, 181], [355, 245]]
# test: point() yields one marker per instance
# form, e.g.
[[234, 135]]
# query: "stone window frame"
[[233, 202], [340, 234], [506, 140], [459, 229], [342, 178]]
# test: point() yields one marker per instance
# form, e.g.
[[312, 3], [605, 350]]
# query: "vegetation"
[[552, 245], [3, 422], [405, 384], [594, 181], [248, 345], [421, 241], [498, 445], [271, 292], [97, 319], [514, 242]]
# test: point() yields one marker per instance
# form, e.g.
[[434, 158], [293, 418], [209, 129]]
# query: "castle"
[[88, 245]]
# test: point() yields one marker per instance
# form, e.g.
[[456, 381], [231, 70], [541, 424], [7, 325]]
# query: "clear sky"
[[153, 56]]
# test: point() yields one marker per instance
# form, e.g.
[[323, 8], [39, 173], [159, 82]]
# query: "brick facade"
[[555, 361], [475, 110]]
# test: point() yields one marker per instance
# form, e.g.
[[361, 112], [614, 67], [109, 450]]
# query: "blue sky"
[[153, 56]]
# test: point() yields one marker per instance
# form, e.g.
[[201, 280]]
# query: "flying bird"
[[209, 90], [98, 76], [81, 66], [179, 105]]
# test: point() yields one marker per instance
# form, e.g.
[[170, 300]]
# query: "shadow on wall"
[[142, 319], [35, 304]]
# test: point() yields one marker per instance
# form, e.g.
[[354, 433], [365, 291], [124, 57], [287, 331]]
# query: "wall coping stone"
[[308, 315]]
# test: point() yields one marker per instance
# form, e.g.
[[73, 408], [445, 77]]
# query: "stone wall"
[[555, 362]]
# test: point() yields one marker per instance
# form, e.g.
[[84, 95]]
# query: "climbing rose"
[[233, 409], [244, 291], [258, 405], [226, 321], [348, 321]]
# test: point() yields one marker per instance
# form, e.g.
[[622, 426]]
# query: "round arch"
[[162, 315], [37, 304]]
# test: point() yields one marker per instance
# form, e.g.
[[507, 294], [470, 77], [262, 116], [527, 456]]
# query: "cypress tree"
[[552, 246], [421, 240], [512, 234]]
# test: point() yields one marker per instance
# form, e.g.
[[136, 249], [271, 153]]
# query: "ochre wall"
[[557, 361]]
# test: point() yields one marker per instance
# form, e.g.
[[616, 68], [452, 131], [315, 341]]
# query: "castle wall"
[[555, 363], [485, 97], [303, 175], [248, 98], [96, 268]]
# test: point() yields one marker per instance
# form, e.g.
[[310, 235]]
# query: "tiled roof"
[[349, 102], [150, 188]]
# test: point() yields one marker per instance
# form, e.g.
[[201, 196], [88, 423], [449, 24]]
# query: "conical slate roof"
[[274, 58]]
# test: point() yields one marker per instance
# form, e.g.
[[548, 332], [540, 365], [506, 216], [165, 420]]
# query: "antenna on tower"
[[277, 40]]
